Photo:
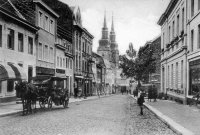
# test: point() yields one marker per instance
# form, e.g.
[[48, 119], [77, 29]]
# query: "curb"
[[177, 128], [20, 111]]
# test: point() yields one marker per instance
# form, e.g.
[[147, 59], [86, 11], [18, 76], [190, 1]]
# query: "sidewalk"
[[182, 119], [13, 108]]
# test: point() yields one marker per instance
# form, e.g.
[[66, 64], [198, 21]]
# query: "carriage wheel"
[[50, 102], [41, 103], [65, 103]]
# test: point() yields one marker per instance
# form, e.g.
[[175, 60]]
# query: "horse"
[[28, 94]]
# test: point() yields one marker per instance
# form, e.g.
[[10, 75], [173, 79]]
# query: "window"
[[169, 33], [40, 51], [46, 24], [192, 40], [46, 53], [67, 63], [41, 19], [20, 42], [79, 62], [177, 75], [192, 8], [0, 35], [198, 36], [183, 17], [61, 62], [51, 55], [172, 77], [10, 86], [198, 4], [57, 61], [10, 39], [177, 26], [71, 63], [64, 63], [80, 44], [168, 77], [51, 27], [76, 42], [173, 30], [163, 40], [0, 87], [30, 45], [76, 61], [182, 74]]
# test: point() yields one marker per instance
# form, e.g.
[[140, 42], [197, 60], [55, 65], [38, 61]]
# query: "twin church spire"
[[105, 30]]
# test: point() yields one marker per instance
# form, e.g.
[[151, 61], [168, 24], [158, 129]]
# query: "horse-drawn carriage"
[[46, 92]]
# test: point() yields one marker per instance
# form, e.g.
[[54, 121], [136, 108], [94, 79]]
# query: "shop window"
[[10, 39], [30, 45], [10, 86]]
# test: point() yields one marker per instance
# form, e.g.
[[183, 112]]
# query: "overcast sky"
[[134, 20]]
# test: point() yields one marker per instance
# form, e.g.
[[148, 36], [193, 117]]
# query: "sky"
[[135, 21]]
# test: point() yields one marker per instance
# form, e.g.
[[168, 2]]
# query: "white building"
[[174, 50], [17, 50]]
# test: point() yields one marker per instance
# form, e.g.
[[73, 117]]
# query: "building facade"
[[17, 48], [46, 20], [99, 70], [82, 46], [193, 47], [174, 50]]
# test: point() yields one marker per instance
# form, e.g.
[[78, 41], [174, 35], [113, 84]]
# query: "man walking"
[[140, 102]]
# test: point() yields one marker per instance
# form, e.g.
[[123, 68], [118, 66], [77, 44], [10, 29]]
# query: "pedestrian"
[[140, 102]]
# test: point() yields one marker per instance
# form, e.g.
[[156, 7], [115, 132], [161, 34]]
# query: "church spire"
[[105, 29], [112, 32], [112, 27], [105, 24]]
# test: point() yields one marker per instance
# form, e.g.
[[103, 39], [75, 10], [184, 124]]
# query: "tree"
[[140, 67]]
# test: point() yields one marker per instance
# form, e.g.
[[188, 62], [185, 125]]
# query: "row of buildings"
[[44, 38], [180, 49]]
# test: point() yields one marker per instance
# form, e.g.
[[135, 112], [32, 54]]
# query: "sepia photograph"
[[99, 67]]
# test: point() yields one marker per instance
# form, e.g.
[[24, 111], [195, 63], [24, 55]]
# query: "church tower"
[[104, 43], [114, 46]]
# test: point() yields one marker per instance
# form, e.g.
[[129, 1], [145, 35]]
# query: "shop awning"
[[19, 72], [6, 72]]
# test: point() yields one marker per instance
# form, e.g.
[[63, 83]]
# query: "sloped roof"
[[6, 5]]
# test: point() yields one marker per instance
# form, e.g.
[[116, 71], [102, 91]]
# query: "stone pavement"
[[183, 119], [13, 108]]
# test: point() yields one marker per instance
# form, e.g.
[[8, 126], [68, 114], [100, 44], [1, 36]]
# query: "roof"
[[169, 9], [47, 7], [10, 9]]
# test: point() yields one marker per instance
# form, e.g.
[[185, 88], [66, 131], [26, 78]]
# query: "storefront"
[[78, 85], [194, 77], [9, 74]]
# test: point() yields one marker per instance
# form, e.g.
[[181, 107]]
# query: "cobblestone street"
[[114, 115]]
